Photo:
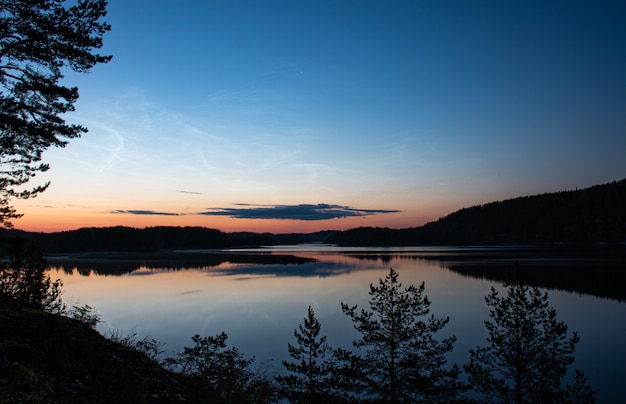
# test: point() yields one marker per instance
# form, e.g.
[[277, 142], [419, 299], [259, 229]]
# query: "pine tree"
[[580, 392], [403, 361], [308, 381], [39, 42], [528, 350]]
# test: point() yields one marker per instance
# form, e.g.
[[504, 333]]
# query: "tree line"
[[397, 358], [156, 238], [579, 218]]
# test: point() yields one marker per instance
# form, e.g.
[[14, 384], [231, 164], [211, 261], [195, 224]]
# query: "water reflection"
[[260, 304], [120, 264]]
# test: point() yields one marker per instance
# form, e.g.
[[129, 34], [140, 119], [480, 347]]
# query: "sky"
[[300, 116]]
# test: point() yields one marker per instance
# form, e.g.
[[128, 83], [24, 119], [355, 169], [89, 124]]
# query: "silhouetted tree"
[[528, 350], [38, 41], [403, 360], [348, 376], [308, 381], [580, 392], [23, 279], [219, 373], [86, 314]]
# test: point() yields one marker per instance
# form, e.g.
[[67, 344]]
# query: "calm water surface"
[[259, 306]]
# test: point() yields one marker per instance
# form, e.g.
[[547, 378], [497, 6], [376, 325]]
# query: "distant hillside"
[[591, 216], [96, 239], [258, 239], [130, 239]]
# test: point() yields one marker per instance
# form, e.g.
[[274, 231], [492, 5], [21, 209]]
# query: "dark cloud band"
[[294, 212], [143, 212]]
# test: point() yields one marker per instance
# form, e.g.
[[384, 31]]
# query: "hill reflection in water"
[[597, 275]]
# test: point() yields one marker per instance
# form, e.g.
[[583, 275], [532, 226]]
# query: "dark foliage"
[[85, 314], [528, 351], [23, 279], [38, 41], [147, 345], [580, 392], [220, 374], [403, 360], [309, 376]]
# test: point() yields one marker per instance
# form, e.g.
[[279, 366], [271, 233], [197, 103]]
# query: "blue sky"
[[403, 111]]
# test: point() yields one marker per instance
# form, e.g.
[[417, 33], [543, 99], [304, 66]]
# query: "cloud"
[[189, 192], [143, 212], [294, 212], [320, 211]]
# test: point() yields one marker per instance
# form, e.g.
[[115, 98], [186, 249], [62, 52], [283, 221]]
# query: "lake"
[[260, 304]]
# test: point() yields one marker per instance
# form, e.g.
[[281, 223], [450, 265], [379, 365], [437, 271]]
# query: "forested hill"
[[130, 239], [122, 238], [590, 216]]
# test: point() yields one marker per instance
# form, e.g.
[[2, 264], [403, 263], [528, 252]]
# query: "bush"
[[23, 281]]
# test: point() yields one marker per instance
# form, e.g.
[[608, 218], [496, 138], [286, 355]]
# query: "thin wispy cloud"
[[143, 212], [189, 192], [294, 212]]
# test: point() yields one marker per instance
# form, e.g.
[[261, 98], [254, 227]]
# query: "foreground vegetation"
[[51, 353]]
